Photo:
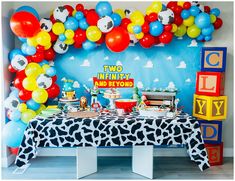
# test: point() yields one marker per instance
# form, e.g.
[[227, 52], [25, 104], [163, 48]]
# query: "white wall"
[[224, 37]]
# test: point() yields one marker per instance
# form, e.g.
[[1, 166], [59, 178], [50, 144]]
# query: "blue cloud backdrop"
[[161, 66]]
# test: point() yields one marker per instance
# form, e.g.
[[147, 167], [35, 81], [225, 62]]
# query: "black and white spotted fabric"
[[109, 130]]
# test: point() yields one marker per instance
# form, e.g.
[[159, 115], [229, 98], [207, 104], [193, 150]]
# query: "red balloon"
[[49, 54], [54, 78], [178, 20], [207, 9], [152, 17], [178, 10], [53, 36], [168, 27], [171, 4], [21, 74], [37, 57], [18, 82], [53, 91], [11, 69], [25, 95], [156, 40], [70, 9], [40, 48], [166, 37], [147, 41], [29, 58], [52, 19], [14, 151], [85, 11], [79, 7], [77, 45], [79, 36], [92, 17], [125, 22], [117, 39], [101, 40], [187, 5], [24, 24], [218, 23], [145, 27]]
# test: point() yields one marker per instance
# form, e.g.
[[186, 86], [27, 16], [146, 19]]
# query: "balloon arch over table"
[[35, 77]]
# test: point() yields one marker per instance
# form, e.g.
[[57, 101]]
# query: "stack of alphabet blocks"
[[210, 104]]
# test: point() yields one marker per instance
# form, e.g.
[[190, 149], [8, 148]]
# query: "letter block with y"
[[210, 83], [210, 107]]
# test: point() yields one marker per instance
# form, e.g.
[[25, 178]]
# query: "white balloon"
[[105, 24], [60, 14], [133, 39], [11, 103], [45, 24], [60, 47], [166, 16], [128, 12], [44, 81], [19, 62]]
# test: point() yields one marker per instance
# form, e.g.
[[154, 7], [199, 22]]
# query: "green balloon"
[[181, 30], [27, 115], [193, 31]]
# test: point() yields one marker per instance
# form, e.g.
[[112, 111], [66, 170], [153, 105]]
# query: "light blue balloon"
[[31, 104], [43, 63], [202, 20], [103, 8], [15, 115], [14, 92], [194, 10], [13, 133], [208, 38], [71, 23], [116, 19], [215, 11], [200, 37], [62, 37], [185, 14], [156, 28], [14, 52], [88, 45], [83, 24], [28, 50], [137, 29], [79, 15], [51, 71], [24, 40], [163, 7], [28, 9], [208, 30]]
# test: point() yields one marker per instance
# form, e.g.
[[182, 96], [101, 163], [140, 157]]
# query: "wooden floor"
[[120, 168]]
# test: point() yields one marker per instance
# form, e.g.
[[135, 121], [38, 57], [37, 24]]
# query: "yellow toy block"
[[210, 107]]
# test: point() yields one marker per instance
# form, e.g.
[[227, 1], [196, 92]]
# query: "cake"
[[112, 94], [68, 92]]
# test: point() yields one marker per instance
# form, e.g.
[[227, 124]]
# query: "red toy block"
[[210, 83], [215, 153]]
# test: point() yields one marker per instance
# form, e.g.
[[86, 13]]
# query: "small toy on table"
[[83, 103], [94, 93]]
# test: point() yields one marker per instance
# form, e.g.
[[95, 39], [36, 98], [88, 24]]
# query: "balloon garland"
[[35, 80]]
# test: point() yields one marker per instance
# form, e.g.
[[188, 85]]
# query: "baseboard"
[[164, 152], [7, 161]]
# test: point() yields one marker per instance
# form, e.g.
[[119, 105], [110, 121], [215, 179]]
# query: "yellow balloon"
[[29, 83], [33, 70], [137, 18], [120, 12], [174, 28], [69, 41], [181, 30], [189, 21], [69, 34], [32, 41], [156, 6], [22, 107], [193, 31], [74, 12], [45, 67], [180, 3], [130, 27], [139, 35], [47, 46], [58, 28], [40, 95], [42, 107], [43, 38], [149, 10], [28, 115], [93, 33], [212, 18]]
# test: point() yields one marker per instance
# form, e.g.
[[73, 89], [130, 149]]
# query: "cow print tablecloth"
[[109, 130]]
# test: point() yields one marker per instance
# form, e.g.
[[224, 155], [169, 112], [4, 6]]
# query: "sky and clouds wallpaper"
[[173, 65]]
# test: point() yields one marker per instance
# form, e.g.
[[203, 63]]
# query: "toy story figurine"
[[83, 103], [136, 95], [94, 93]]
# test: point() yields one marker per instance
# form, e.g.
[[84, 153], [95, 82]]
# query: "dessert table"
[[86, 134]]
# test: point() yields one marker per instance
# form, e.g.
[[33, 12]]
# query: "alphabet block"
[[210, 107], [210, 83], [215, 153], [211, 131], [213, 59]]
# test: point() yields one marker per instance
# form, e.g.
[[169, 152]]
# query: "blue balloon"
[[51, 71], [31, 104], [71, 23], [103, 8], [215, 11], [116, 19], [156, 28], [208, 30], [14, 92], [208, 38], [24, 40], [194, 10], [202, 20], [200, 37], [185, 14], [88, 45], [62, 37], [14, 52], [137, 29], [28, 9], [28, 50], [83, 24], [15, 115], [79, 15], [13, 133], [43, 63]]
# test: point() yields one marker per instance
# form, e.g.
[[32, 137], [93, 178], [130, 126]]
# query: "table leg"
[[142, 160], [86, 161]]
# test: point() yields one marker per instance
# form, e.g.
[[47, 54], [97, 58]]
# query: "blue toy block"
[[213, 59]]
